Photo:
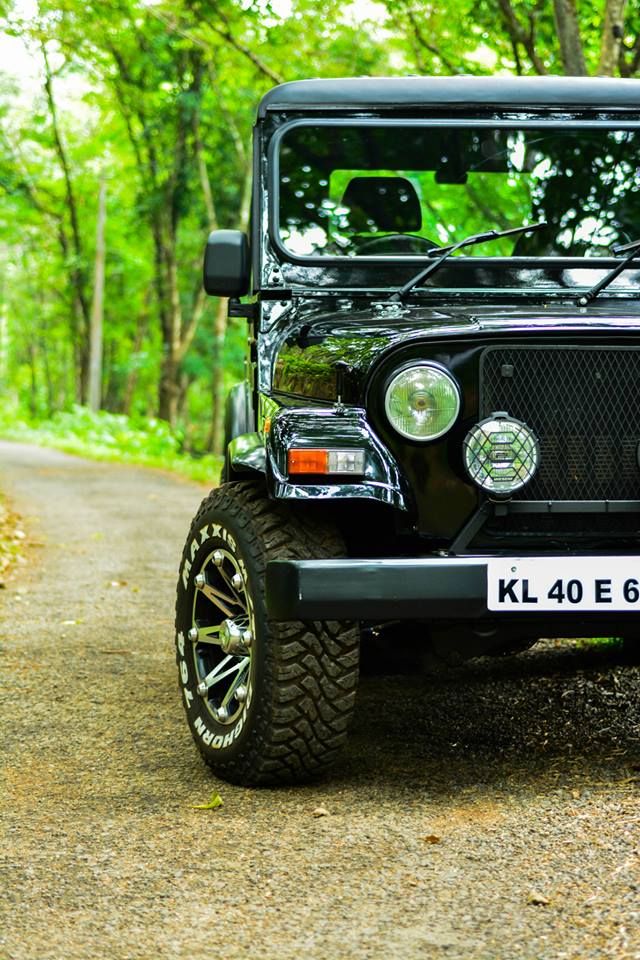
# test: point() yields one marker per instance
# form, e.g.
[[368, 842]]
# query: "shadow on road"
[[560, 711]]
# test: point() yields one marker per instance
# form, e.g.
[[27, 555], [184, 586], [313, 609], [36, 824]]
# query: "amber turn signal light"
[[308, 461]]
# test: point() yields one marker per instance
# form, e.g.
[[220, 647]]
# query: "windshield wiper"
[[633, 249], [445, 253]]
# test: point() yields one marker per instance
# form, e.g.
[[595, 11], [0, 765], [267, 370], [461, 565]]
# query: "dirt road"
[[490, 813]]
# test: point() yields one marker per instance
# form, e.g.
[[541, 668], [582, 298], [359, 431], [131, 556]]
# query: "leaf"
[[215, 801], [538, 900]]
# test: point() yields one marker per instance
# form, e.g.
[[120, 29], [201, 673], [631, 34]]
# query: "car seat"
[[388, 206]]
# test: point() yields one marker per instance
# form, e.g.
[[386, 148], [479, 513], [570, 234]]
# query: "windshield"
[[397, 191]]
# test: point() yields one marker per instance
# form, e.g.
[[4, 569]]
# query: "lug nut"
[[200, 581], [247, 637], [193, 634], [202, 688], [241, 694], [223, 714], [237, 581], [218, 557]]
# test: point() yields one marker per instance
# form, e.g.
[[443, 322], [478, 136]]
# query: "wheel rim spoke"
[[227, 579], [215, 676], [210, 634], [210, 677], [221, 599], [243, 669]]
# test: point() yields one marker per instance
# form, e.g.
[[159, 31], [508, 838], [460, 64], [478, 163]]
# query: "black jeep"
[[438, 438]]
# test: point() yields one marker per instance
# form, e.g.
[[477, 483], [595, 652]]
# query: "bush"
[[114, 437]]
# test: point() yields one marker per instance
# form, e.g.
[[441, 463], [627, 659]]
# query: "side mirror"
[[226, 264]]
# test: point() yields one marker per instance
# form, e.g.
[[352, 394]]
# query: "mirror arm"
[[238, 309]]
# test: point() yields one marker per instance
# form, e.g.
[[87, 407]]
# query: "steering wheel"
[[395, 243]]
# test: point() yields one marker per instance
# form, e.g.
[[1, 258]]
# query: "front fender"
[[247, 453], [338, 428]]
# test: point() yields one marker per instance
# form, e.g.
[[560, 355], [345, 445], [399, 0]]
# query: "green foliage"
[[603, 643], [513, 36], [212, 803], [113, 437]]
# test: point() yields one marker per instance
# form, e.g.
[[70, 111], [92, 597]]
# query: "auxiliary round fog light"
[[501, 454]]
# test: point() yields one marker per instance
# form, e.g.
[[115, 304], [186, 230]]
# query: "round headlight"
[[422, 402], [501, 454]]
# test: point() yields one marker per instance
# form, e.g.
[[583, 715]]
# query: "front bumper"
[[426, 589], [456, 589]]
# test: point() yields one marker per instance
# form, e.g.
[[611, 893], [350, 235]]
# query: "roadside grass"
[[603, 643], [114, 438]]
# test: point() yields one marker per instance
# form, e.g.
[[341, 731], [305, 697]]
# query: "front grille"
[[561, 529], [583, 403]]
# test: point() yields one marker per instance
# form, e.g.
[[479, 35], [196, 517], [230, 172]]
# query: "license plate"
[[530, 584]]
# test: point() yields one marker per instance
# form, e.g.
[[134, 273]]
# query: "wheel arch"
[[241, 443]]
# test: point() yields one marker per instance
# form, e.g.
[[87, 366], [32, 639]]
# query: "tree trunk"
[[569, 37], [46, 369], [168, 389], [169, 375], [76, 268], [33, 399], [132, 375], [4, 338], [47, 378], [612, 34], [94, 393], [183, 390]]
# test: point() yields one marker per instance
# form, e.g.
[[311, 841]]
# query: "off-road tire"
[[303, 676]]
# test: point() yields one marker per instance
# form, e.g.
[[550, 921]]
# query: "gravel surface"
[[491, 812]]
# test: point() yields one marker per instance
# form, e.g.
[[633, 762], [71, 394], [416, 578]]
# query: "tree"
[[97, 307], [521, 36]]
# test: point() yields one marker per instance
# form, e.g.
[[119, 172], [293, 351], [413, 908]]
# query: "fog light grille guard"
[[583, 404], [500, 454]]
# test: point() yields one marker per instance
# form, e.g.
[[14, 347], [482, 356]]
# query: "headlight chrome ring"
[[422, 401]]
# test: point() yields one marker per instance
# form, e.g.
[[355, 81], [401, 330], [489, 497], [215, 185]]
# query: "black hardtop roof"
[[591, 93]]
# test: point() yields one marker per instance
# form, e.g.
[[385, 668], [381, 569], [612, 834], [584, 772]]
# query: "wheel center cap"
[[231, 637]]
